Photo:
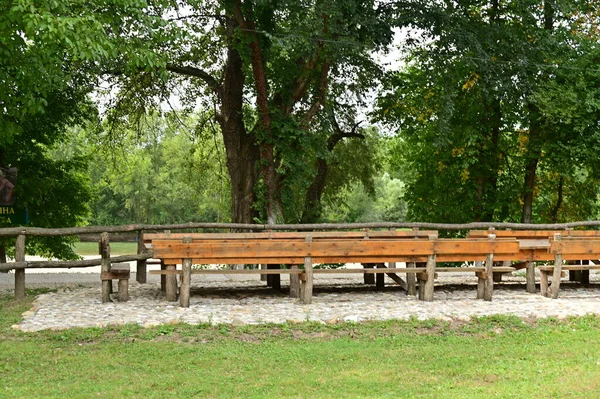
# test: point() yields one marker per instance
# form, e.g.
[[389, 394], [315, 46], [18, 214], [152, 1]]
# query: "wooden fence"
[[21, 233]]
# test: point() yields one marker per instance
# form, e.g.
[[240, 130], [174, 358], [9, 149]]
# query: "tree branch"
[[198, 73], [340, 134]]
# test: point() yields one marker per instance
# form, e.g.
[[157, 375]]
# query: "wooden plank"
[[293, 235], [267, 249], [532, 234], [115, 275], [571, 267], [411, 281], [295, 283], [20, 273], [579, 247]]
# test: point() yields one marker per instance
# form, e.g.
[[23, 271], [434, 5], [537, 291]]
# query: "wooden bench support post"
[[489, 278], [274, 280], [186, 279], [585, 274], [307, 281], [481, 277], [543, 283], [171, 284], [105, 267], [428, 285], [556, 274], [530, 276], [369, 278], [141, 270], [20, 273], [163, 277], [294, 283], [380, 277], [411, 280]]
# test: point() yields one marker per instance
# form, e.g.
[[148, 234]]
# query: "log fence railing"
[[20, 264]]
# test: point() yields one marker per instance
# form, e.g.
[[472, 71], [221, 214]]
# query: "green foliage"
[[491, 90], [168, 174]]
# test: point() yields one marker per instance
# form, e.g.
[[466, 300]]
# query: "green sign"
[[13, 215]]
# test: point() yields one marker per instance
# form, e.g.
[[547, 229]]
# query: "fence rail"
[[69, 231]]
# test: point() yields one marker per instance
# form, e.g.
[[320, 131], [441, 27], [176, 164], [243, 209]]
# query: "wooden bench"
[[534, 247], [571, 248], [305, 249]]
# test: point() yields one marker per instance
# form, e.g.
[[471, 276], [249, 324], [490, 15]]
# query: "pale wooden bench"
[[261, 248]]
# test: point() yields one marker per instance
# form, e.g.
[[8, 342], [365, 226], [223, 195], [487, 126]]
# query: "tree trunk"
[[241, 150]]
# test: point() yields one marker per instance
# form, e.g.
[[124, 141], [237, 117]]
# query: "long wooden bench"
[[534, 246], [309, 248]]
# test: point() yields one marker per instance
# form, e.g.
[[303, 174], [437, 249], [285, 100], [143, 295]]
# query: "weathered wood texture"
[[307, 280], [20, 273], [38, 231], [186, 279], [104, 249], [141, 269]]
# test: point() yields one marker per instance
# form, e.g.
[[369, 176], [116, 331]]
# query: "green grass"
[[491, 357], [116, 248]]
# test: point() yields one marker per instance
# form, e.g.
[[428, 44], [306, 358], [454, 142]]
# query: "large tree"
[[479, 113]]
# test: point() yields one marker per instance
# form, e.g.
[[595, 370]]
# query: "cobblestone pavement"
[[342, 299]]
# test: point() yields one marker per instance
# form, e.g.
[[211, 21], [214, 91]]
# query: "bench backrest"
[[293, 251]]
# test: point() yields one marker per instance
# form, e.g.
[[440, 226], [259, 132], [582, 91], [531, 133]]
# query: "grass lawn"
[[116, 248], [493, 357]]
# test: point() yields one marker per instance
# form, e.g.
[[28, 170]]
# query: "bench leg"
[[274, 280], [411, 281], [530, 276], [428, 285], [489, 278], [163, 277], [543, 283], [123, 290], [556, 274], [294, 283], [379, 280], [307, 281], [186, 283], [369, 278], [171, 285]]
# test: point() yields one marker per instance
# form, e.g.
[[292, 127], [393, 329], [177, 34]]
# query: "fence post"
[[105, 267], [556, 274], [140, 272], [20, 273]]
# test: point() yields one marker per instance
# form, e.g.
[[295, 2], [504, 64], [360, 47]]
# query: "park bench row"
[[422, 250]]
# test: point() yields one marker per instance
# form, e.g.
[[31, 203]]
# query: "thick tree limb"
[[198, 73]]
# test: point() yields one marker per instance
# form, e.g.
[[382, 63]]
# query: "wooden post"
[[428, 285], [124, 289], [481, 277], [274, 280], [368, 278], [585, 274], [307, 284], [105, 267], [380, 278], [141, 270], [294, 283], [163, 278], [488, 289], [411, 280], [543, 283], [558, 261], [20, 273], [530, 276], [171, 284], [186, 279], [264, 277]]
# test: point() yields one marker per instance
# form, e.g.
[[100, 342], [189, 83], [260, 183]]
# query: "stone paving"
[[342, 299]]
